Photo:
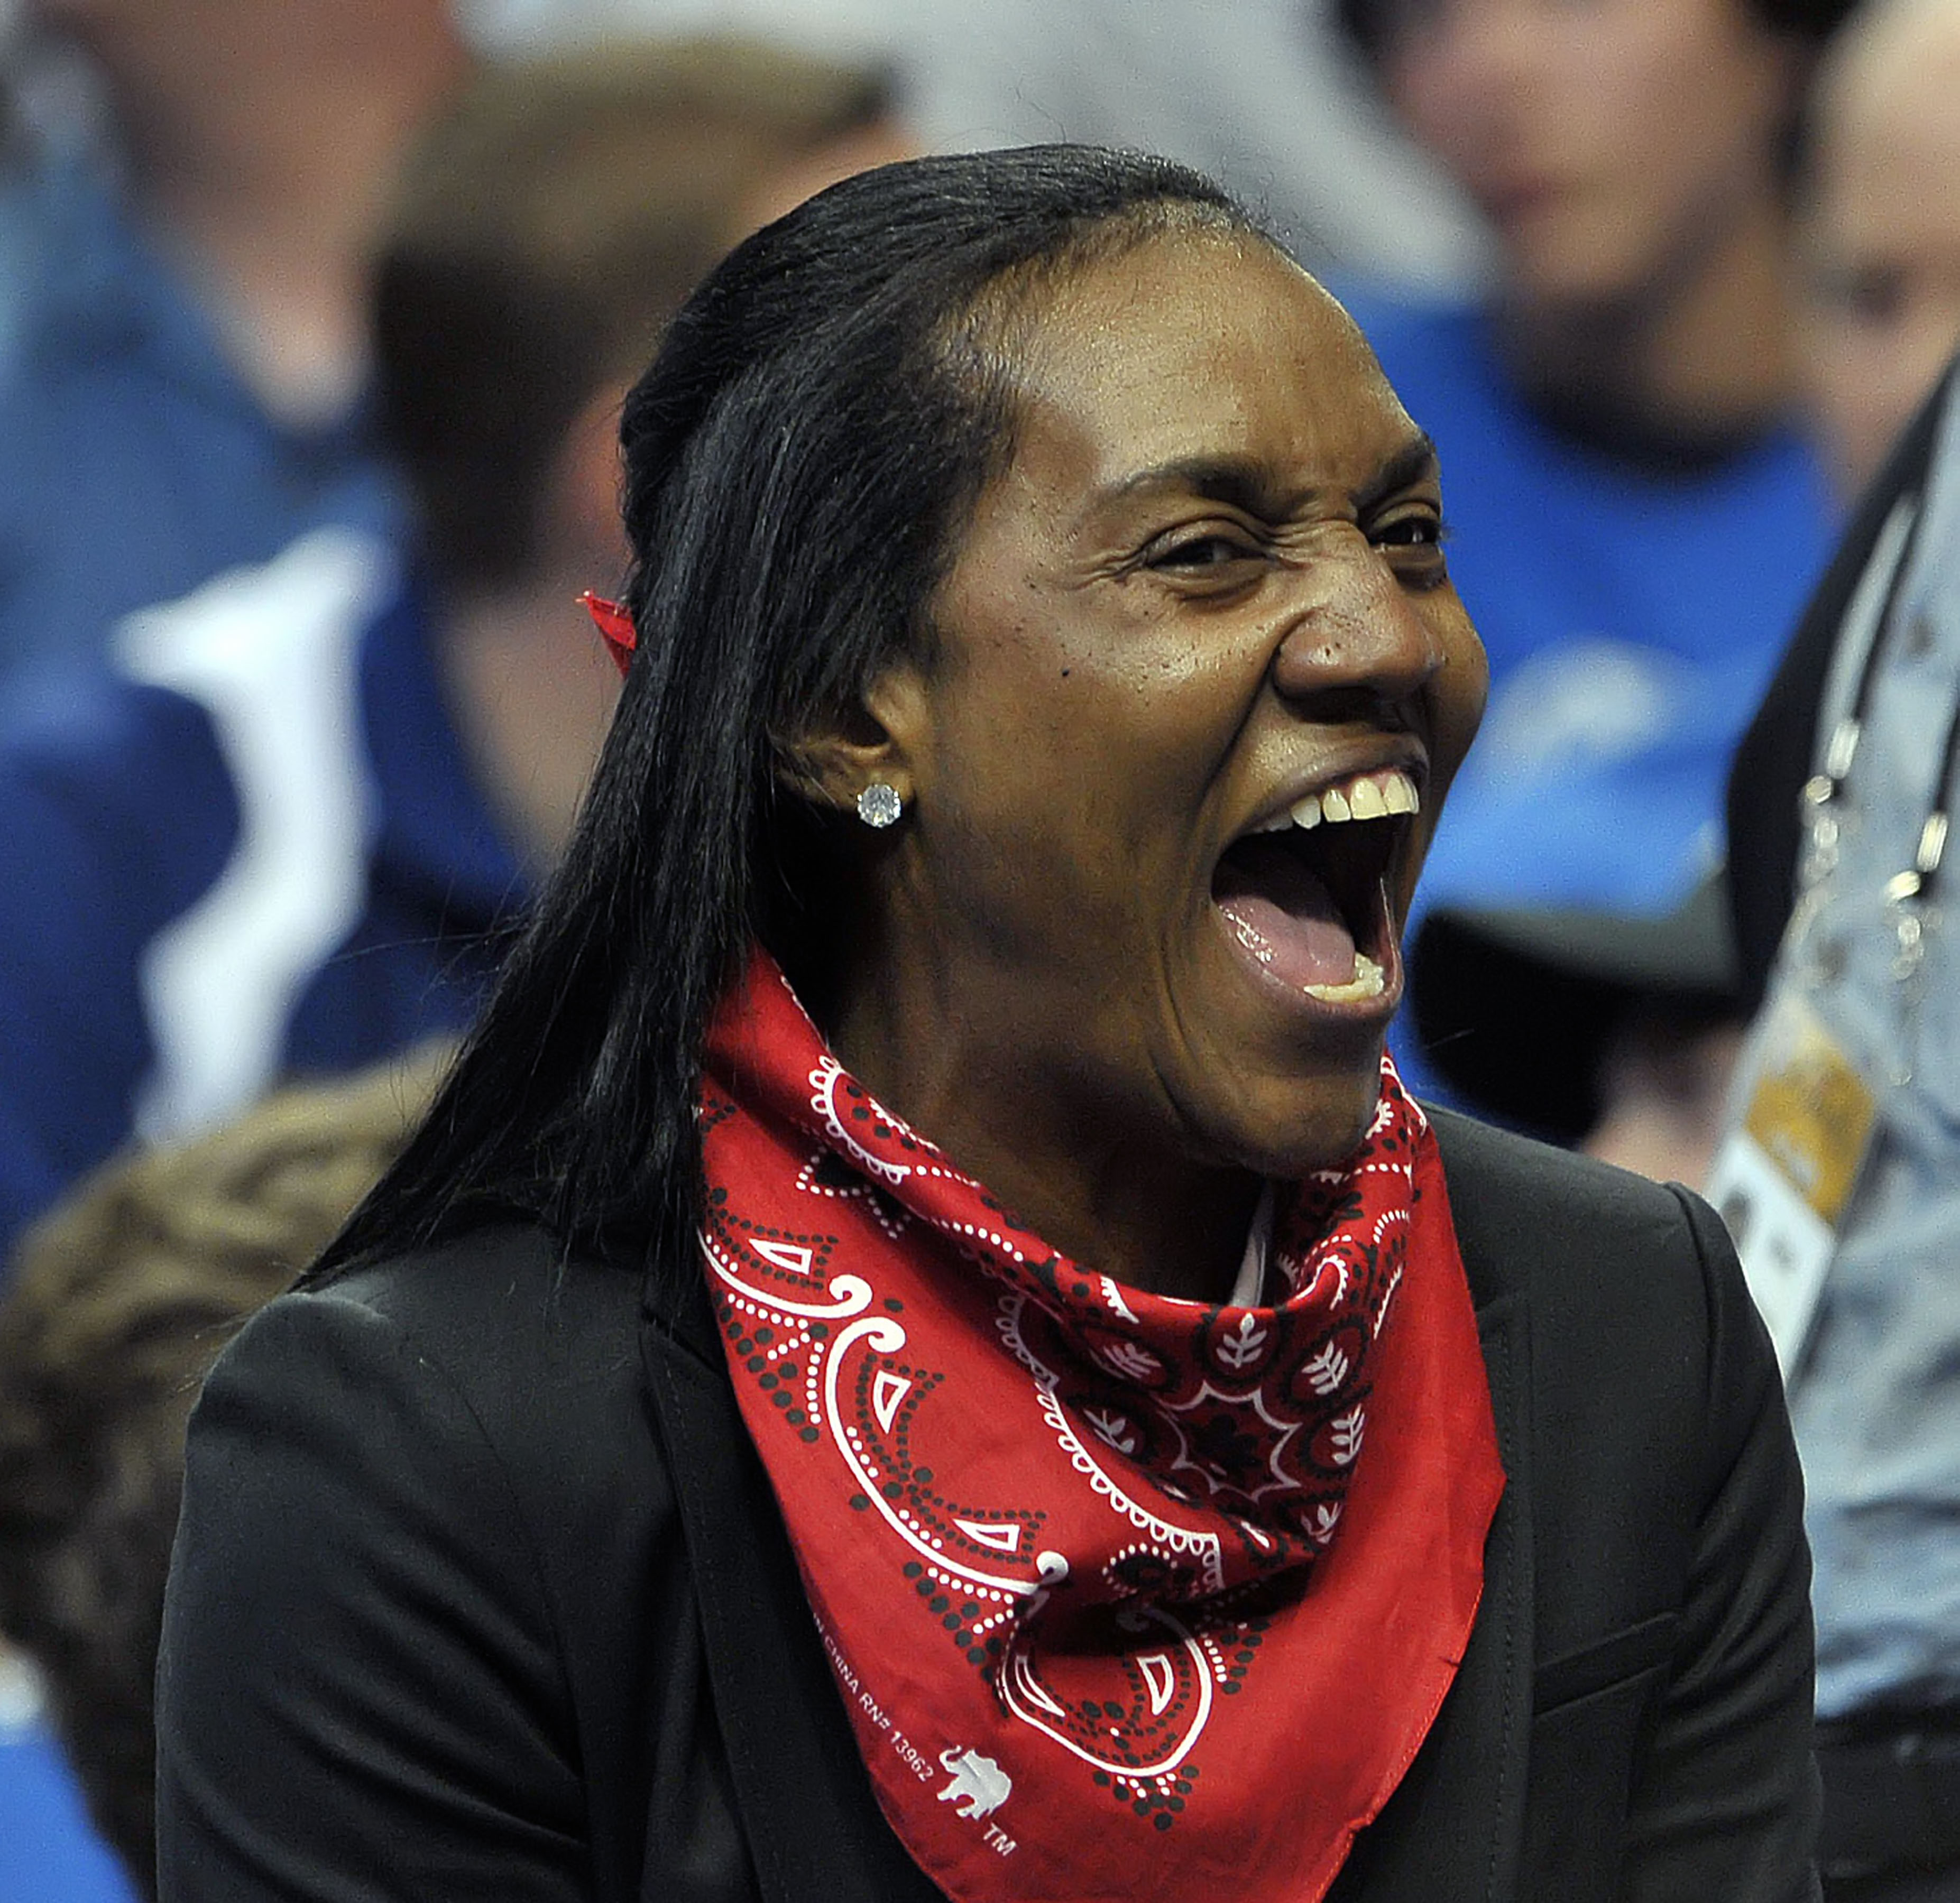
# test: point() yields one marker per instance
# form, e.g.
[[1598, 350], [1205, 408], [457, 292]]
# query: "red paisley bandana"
[[1126, 1595]]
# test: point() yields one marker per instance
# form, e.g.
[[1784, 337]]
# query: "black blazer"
[[480, 1593]]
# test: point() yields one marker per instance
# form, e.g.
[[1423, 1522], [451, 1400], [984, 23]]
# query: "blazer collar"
[[1455, 1827], [813, 1828]]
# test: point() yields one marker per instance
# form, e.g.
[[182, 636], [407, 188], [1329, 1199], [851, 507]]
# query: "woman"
[[1047, 677]]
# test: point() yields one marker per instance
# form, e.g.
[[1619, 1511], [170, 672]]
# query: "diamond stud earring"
[[878, 805]]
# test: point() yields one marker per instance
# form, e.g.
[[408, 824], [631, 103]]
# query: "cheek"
[[1873, 384], [1834, 381], [1126, 718], [1015, 735], [1437, 113], [1067, 797], [1847, 395], [1031, 792], [1725, 95], [1457, 698]]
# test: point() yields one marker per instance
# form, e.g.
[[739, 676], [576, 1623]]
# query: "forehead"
[[1199, 344]]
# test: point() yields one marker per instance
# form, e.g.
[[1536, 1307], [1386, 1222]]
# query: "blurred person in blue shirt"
[[1637, 516], [280, 828], [276, 830], [183, 356]]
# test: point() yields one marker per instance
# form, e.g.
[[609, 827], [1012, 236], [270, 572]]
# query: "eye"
[[1874, 295], [1205, 552], [1423, 531], [1412, 539]]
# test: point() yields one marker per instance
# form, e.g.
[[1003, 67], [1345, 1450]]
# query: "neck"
[[1701, 355], [268, 191], [531, 690], [1142, 1213]]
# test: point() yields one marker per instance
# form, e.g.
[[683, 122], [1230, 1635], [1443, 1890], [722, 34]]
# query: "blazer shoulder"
[[442, 1468], [1525, 1211], [541, 1345], [501, 1287], [470, 1292], [1643, 1336]]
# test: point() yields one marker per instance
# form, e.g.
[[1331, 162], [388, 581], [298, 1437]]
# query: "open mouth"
[[1306, 895]]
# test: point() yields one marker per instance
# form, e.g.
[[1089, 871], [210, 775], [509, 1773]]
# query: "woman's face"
[[1605, 139], [1201, 616]]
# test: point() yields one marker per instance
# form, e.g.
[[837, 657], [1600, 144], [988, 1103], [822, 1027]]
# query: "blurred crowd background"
[[314, 320]]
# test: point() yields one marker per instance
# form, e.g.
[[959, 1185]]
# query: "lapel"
[[1455, 1827], [814, 1827]]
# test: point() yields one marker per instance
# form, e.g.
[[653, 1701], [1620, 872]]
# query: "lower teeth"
[[1367, 982]]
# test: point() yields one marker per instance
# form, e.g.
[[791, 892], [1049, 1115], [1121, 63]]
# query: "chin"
[[1288, 1129], [1568, 266]]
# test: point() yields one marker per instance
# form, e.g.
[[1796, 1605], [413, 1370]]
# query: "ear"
[[881, 738]]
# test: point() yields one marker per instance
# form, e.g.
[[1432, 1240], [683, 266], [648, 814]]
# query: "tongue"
[[1285, 916]]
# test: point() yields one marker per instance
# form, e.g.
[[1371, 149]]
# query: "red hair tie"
[[615, 627]]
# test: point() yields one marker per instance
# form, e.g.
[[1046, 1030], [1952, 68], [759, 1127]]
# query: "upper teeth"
[[1367, 796]]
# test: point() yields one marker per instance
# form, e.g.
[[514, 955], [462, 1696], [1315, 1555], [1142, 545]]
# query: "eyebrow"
[[1416, 458], [1246, 484]]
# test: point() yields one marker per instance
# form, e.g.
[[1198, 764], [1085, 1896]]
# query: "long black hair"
[[800, 459]]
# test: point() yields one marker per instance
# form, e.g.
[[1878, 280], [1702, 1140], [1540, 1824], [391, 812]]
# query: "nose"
[[1356, 637]]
